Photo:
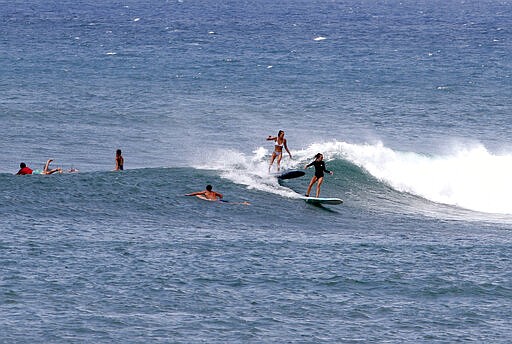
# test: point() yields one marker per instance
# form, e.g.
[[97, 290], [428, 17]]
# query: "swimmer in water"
[[119, 161]]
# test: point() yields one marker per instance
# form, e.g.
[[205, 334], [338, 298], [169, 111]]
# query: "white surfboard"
[[221, 200], [323, 200]]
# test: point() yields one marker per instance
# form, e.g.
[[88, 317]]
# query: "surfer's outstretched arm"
[[195, 193]]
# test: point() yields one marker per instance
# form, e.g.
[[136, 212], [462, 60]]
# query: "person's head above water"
[[280, 133], [118, 152], [23, 165], [209, 187], [318, 156]]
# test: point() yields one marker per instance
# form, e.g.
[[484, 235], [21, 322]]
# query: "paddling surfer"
[[208, 193], [24, 169]]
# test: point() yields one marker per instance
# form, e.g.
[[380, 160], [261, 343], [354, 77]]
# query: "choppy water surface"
[[409, 103]]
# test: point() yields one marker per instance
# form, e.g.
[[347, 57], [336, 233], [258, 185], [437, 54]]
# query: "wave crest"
[[470, 177]]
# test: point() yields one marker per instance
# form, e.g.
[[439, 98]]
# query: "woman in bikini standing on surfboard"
[[280, 142]]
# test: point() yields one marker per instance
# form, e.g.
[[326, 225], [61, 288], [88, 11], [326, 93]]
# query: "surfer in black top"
[[319, 174]]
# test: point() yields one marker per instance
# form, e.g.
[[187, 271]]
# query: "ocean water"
[[408, 101]]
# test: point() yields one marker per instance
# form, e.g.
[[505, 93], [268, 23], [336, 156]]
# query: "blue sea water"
[[409, 101]]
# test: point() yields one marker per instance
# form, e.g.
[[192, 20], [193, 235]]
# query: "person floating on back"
[[319, 174], [280, 142], [119, 161], [47, 169], [207, 194], [24, 169]]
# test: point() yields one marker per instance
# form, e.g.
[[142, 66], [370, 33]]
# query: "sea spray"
[[472, 177]]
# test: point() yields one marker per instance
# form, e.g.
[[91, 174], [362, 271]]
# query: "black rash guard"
[[319, 168]]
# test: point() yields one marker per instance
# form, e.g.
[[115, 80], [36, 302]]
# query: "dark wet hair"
[[318, 155], [118, 152], [209, 187], [279, 132], [23, 165]]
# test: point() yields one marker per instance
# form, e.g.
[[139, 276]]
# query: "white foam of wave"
[[469, 177], [251, 171], [319, 38]]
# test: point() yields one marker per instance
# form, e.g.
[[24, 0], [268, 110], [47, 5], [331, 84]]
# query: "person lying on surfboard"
[[319, 174], [280, 142], [208, 194], [24, 169]]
